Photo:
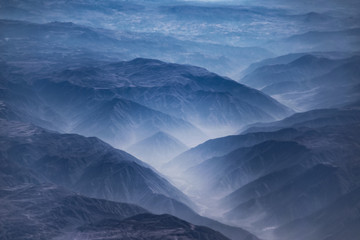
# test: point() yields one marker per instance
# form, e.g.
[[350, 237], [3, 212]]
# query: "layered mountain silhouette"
[[126, 102], [272, 154], [324, 224], [47, 211], [80, 42], [272, 175], [157, 149], [308, 82], [32, 155], [147, 226]]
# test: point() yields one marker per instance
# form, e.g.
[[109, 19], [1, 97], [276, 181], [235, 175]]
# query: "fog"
[[199, 90]]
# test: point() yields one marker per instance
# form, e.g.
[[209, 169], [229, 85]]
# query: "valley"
[[168, 120]]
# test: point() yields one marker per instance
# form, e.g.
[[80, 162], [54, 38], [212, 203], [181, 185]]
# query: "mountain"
[[90, 112], [289, 128], [260, 187], [157, 149], [147, 226], [324, 224], [75, 162], [312, 190], [127, 121], [133, 100], [342, 39], [188, 92], [311, 119], [288, 58], [255, 179], [309, 82], [304, 145], [50, 38], [221, 146], [47, 211], [302, 68], [228, 173]]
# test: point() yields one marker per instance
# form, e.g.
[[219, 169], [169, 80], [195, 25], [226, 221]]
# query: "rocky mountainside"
[[94, 169], [274, 175]]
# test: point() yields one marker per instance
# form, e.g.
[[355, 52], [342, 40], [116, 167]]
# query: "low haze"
[[159, 119]]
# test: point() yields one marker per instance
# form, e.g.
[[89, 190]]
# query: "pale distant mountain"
[[341, 40], [49, 40], [309, 82], [302, 68], [157, 149], [310, 119]]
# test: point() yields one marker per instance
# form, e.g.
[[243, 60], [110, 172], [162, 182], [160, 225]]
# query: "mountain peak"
[[158, 148]]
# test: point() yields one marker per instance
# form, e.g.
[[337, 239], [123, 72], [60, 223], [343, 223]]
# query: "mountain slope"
[[196, 86], [76, 162], [286, 129], [221, 146], [157, 149], [135, 99], [316, 188], [309, 82], [324, 224], [302, 68], [311, 119], [47, 211], [95, 169], [147, 226], [227, 173]]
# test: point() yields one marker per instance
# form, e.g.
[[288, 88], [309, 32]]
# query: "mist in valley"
[[151, 119]]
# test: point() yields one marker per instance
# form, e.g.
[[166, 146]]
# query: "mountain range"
[[92, 168], [308, 82], [164, 119], [136, 99], [272, 176]]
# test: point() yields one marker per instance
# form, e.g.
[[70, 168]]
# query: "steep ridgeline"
[[77, 162], [311, 119], [94, 169], [256, 154], [280, 172], [325, 223], [256, 133], [343, 40], [157, 149], [45, 211], [311, 81], [147, 226], [194, 94], [134, 100]]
